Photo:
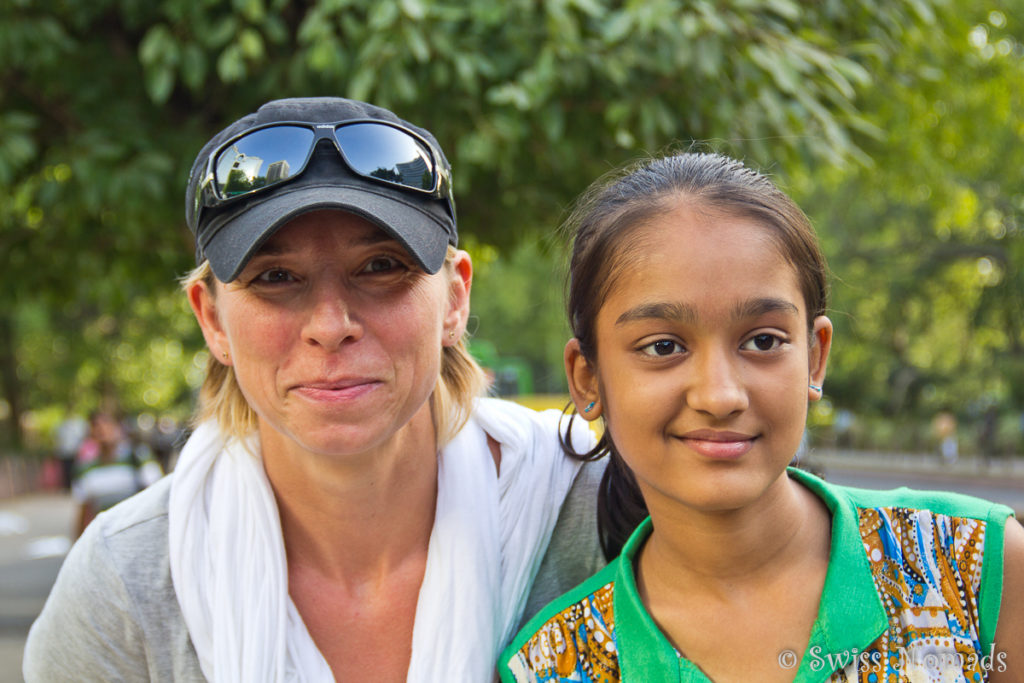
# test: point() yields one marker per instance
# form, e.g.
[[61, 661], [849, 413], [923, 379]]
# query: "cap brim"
[[240, 235]]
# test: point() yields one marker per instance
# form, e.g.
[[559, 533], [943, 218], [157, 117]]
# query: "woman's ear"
[[817, 361], [582, 379], [458, 298], [204, 306]]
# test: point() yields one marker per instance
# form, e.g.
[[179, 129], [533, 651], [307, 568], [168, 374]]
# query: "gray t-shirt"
[[113, 616]]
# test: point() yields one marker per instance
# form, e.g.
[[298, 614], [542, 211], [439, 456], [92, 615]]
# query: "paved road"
[[35, 530], [1000, 482], [34, 537], [1009, 493]]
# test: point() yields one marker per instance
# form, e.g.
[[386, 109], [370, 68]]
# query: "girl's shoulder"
[[925, 551], [905, 508], [572, 638]]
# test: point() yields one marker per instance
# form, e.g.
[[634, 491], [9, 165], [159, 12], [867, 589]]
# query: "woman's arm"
[[1008, 660], [87, 629]]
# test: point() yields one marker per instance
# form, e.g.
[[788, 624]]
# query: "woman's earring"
[[451, 334], [815, 387], [590, 406], [224, 354]]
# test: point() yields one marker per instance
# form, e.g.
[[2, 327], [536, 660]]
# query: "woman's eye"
[[382, 264], [274, 275], [762, 342], [662, 347]]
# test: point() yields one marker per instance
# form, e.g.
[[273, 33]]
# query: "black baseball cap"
[[229, 235]]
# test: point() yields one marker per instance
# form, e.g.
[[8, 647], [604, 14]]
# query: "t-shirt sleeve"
[[87, 629], [574, 552], [990, 592]]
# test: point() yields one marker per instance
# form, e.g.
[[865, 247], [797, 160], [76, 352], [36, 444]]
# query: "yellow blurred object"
[[543, 401], [556, 401]]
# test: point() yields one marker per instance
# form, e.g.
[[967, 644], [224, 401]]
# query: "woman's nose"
[[716, 386], [331, 320]]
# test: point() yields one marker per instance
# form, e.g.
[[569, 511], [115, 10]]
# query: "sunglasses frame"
[[207, 195]]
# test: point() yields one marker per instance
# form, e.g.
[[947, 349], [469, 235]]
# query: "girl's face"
[[703, 361], [335, 335]]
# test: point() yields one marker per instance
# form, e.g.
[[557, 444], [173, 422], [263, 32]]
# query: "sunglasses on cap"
[[273, 154]]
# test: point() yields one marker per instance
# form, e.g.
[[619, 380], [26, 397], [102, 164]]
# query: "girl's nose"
[[716, 386]]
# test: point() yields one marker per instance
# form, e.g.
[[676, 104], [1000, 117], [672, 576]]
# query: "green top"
[[872, 536]]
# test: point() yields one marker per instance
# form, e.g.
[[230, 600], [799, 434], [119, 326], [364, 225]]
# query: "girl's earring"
[[590, 406], [815, 387]]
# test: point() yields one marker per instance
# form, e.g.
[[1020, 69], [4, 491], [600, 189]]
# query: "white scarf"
[[490, 533]]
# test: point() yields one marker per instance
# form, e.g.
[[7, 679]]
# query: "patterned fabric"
[[576, 645], [925, 567], [927, 571]]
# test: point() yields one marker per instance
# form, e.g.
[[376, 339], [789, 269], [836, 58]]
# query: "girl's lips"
[[719, 445]]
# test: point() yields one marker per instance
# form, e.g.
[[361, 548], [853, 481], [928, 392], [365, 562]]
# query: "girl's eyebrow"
[[684, 313], [676, 312], [757, 307]]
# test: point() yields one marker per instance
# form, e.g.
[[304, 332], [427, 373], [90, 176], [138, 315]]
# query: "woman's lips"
[[333, 391], [719, 445]]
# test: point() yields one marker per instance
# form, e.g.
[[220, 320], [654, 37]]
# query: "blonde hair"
[[460, 381]]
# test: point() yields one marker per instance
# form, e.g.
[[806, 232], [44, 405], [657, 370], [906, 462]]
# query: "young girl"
[[697, 298]]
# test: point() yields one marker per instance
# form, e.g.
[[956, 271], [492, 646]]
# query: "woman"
[[697, 300], [346, 507]]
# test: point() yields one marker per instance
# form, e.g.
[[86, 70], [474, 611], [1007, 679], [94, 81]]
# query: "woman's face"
[[334, 334], [703, 361]]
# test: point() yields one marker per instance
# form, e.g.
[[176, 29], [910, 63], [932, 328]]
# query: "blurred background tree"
[[926, 241], [894, 123]]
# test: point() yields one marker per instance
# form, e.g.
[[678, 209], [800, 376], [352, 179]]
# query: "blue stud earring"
[[590, 407], [815, 387]]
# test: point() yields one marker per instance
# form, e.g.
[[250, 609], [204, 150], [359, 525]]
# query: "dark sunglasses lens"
[[387, 153], [262, 158]]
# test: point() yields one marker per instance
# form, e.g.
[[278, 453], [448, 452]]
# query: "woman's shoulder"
[[147, 507], [520, 427], [574, 552], [112, 612], [494, 412], [574, 634]]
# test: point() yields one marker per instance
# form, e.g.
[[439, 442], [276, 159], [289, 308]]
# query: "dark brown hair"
[[600, 227]]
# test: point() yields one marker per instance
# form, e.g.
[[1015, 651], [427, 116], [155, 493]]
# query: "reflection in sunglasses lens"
[[262, 158], [388, 154]]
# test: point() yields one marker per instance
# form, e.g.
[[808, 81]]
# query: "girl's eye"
[[662, 347], [274, 276], [762, 342], [382, 264]]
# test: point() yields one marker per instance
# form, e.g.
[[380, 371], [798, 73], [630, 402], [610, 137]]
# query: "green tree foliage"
[[104, 103], [927, 241], [518, 306]]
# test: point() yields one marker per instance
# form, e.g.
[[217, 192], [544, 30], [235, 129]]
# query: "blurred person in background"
[[109, 469], [68, 437], [946, 431], [348, 506]]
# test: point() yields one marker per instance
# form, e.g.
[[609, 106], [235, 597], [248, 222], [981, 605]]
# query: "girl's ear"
[[821, 344], [458, 298], [203, 304], [582, 382]]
